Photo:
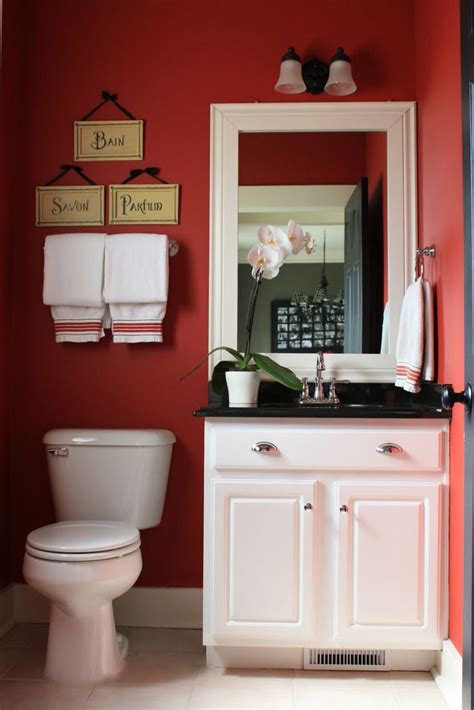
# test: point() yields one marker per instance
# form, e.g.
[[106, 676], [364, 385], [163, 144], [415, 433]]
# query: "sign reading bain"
[[108, 140], [143, 204], [71, 205]]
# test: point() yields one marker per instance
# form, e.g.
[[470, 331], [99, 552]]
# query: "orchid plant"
[[266, 258]]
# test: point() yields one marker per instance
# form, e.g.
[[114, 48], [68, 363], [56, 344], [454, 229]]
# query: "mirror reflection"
[[334, 186]]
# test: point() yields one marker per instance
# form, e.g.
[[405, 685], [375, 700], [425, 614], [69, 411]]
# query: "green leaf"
[[239, 358], [281, 374]]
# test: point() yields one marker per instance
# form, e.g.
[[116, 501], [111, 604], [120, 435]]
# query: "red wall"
[[10, 103], [169, 61], [4, 396], [301, 158], [441, 222]]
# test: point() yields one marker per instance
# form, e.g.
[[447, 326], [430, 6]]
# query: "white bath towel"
[[76, 324], [428, 352], [415, 343], [73, 285], [136, 286]]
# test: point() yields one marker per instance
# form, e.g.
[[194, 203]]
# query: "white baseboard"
[[7, 609], [253, 657], [140, 606], [448, 674], [256, 657]]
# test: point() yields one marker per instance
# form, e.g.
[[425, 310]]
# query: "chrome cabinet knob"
[[308, 506], [265, 446], [388, 448], [344, 509]]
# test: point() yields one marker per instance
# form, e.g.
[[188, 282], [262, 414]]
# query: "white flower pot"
[[243, 388]]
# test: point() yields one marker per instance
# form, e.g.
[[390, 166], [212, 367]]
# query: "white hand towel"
[[74, 270], [136, 286], [385, 342], [411, 337], [73, 285], [428, 355]]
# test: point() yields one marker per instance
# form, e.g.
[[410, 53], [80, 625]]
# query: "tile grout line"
[[395, 695], [293, 689], [192, 689], [89, 696]]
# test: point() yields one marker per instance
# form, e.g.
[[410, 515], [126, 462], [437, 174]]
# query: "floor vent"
[[345, 659]]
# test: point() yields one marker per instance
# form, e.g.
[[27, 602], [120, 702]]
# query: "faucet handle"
[[304, 396], [333, 398]]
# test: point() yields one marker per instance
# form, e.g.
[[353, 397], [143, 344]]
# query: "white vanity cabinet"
[[326, 541], [263, 548], [388, 563]]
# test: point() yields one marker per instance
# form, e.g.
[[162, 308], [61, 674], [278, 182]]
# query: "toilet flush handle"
[[60, 451]]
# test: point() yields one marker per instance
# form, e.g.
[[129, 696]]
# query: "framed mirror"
[[321, 165]]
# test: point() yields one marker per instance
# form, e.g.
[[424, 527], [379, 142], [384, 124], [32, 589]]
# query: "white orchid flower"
[[296, 237], [275, 238], [266, 258], [310, 243]]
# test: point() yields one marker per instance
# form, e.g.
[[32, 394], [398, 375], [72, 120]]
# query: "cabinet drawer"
[[346, 449]]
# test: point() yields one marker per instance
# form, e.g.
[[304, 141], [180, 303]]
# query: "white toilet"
[[106, 484]]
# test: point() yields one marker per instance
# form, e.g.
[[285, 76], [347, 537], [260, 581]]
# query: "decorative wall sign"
[[108, 140], [70, 205], [144, 204]]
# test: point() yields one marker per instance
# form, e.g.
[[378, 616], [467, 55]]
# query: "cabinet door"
[[262, 562], [388, 565]]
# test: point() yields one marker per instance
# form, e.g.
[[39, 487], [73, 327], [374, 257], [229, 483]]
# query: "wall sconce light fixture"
[[315, 76]]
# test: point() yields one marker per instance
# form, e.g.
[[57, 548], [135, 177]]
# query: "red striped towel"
[[414, 354]]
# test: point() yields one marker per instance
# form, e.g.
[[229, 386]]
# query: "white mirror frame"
[[397, 119]]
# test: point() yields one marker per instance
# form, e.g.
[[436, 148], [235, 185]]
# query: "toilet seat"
[[81, 556], [83, 540]]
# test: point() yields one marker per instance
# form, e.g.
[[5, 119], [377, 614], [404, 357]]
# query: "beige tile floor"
[[166, 670]]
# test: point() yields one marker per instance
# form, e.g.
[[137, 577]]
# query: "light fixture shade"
[[290, 80], [340, 81]]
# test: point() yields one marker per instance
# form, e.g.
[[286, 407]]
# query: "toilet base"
[[84, 649]]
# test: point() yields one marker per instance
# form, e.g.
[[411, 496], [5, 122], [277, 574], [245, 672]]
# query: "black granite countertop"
[[358, 401]]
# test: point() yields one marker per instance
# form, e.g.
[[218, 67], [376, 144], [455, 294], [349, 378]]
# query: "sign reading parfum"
[[144, 204]]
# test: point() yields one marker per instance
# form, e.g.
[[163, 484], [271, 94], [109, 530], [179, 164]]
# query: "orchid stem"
[[251, 310]]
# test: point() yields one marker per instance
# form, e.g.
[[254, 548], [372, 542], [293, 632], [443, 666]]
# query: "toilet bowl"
[[81, 567], [81, 564]]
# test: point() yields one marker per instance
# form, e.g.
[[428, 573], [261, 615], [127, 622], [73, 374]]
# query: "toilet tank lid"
[[109, 437]]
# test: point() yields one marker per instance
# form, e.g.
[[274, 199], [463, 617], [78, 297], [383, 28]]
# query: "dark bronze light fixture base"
[[315, 75]]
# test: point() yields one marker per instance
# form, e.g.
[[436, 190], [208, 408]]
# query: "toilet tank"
[[109, 474]]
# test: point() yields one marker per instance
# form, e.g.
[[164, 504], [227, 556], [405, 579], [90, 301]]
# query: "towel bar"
[[173, 247]]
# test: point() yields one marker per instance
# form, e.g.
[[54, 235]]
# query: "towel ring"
[[419, 266], [421, 252]]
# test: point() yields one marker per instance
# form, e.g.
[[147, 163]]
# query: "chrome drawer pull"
[[308, 506], [60, 451], [344, 509], [388, 448], [265, 446]]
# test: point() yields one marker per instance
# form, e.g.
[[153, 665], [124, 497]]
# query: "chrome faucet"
[[319, 382], [319, 397]]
